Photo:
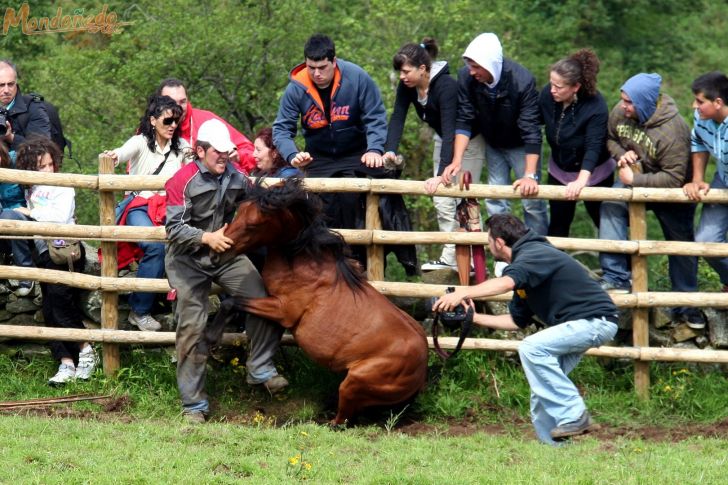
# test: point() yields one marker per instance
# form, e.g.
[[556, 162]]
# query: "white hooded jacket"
[[487, 51]]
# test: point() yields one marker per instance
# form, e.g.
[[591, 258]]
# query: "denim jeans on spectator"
[[151, 264], [676, 221], [21, 248], [548, 357], [500, 162], [713, 227], [473, 160]]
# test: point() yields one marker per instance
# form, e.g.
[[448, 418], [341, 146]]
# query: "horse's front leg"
[[270, 308]]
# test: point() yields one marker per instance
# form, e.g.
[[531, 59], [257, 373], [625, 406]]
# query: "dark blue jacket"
[[510, 120], [358, 119], [35, 121], [439, 113], [578, 137]]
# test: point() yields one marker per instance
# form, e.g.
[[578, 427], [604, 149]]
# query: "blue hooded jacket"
[[644, 90]]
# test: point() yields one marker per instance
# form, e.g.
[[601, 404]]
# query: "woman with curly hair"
[[575, 116], [156, 150], [48, 203]]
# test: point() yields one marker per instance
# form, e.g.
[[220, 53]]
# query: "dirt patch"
[[260, 410], [683, 432]]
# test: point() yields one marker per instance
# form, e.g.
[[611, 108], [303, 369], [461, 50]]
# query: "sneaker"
[[610, 287], [144, 322], [25, 288], [696, 322], [194, 417], [65, 373], [86, 363], [435, 265], [275, 384], [582, 425]]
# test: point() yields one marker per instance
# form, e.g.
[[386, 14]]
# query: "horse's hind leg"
[[269, 307], [369, 384]]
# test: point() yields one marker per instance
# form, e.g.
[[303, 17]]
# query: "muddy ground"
[[279, 411]]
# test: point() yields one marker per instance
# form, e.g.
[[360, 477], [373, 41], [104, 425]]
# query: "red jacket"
[[191, 125]]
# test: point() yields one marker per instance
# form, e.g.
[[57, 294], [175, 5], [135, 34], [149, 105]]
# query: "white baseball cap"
[[216, 134]]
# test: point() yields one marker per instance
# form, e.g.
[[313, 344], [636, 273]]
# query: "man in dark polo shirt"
[[550, 285]]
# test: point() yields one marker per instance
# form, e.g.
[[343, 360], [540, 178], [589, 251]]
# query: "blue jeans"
[[547, 358], [676, 221], [445, 207], [21, 248], [151, 264], [713, 227], [500, 161]]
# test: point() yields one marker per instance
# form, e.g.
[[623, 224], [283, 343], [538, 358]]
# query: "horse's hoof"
[[334, 426]]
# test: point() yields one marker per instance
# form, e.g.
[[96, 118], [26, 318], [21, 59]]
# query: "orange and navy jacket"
[[358, 119]]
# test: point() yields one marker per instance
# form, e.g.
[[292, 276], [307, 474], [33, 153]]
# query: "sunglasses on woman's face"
[[168, 121]]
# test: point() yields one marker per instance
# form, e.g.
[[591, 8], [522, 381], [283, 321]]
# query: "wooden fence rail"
[[107, 184]]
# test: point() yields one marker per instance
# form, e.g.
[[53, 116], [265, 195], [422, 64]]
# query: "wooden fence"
[[107, 184]]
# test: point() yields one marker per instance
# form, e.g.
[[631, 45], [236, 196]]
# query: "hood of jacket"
[[643, 89], [300, 76], [487, 51], [665, 110], [437, 69], [530, 236]]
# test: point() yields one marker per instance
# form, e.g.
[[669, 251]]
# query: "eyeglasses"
[[169, 121]]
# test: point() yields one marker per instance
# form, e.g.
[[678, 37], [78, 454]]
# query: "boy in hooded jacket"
[[651, 143], [497, 98]]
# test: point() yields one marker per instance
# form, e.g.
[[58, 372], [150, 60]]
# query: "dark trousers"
[[562, 211], [61, 308], [344, 210]]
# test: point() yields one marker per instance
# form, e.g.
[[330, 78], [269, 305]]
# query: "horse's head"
[[268, 217]]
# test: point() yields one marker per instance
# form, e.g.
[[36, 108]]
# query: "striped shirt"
[[711, 136]]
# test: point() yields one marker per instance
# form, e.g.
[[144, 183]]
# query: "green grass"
[[254, 438], [38, 450]]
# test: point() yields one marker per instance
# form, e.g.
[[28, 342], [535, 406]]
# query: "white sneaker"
[[86, 363], [65, 373], [25, 288], [144, 322], [435, 265]]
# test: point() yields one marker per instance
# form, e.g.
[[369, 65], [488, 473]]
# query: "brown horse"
[[320, 294]]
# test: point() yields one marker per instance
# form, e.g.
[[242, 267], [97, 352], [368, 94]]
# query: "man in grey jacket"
[[201, 200]]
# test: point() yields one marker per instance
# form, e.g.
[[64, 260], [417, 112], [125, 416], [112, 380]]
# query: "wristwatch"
[[531, 176]]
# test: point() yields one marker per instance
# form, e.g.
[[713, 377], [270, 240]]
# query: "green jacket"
[[662, 144]]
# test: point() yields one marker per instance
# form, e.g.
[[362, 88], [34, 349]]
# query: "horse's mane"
[[315, 239]]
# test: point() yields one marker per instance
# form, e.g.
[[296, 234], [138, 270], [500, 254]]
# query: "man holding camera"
[[550, 285], [22, 116]]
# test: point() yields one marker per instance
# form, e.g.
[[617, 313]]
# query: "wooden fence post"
[[375, 252], [640, 316], [109, 299]]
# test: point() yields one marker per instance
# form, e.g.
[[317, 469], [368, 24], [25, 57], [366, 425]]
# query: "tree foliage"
[[235, 55]]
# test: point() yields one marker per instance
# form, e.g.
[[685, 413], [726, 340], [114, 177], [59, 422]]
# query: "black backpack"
[[56, 127]]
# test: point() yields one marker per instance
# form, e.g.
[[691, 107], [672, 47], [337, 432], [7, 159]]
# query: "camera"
[[454, 318], [3, 119]]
